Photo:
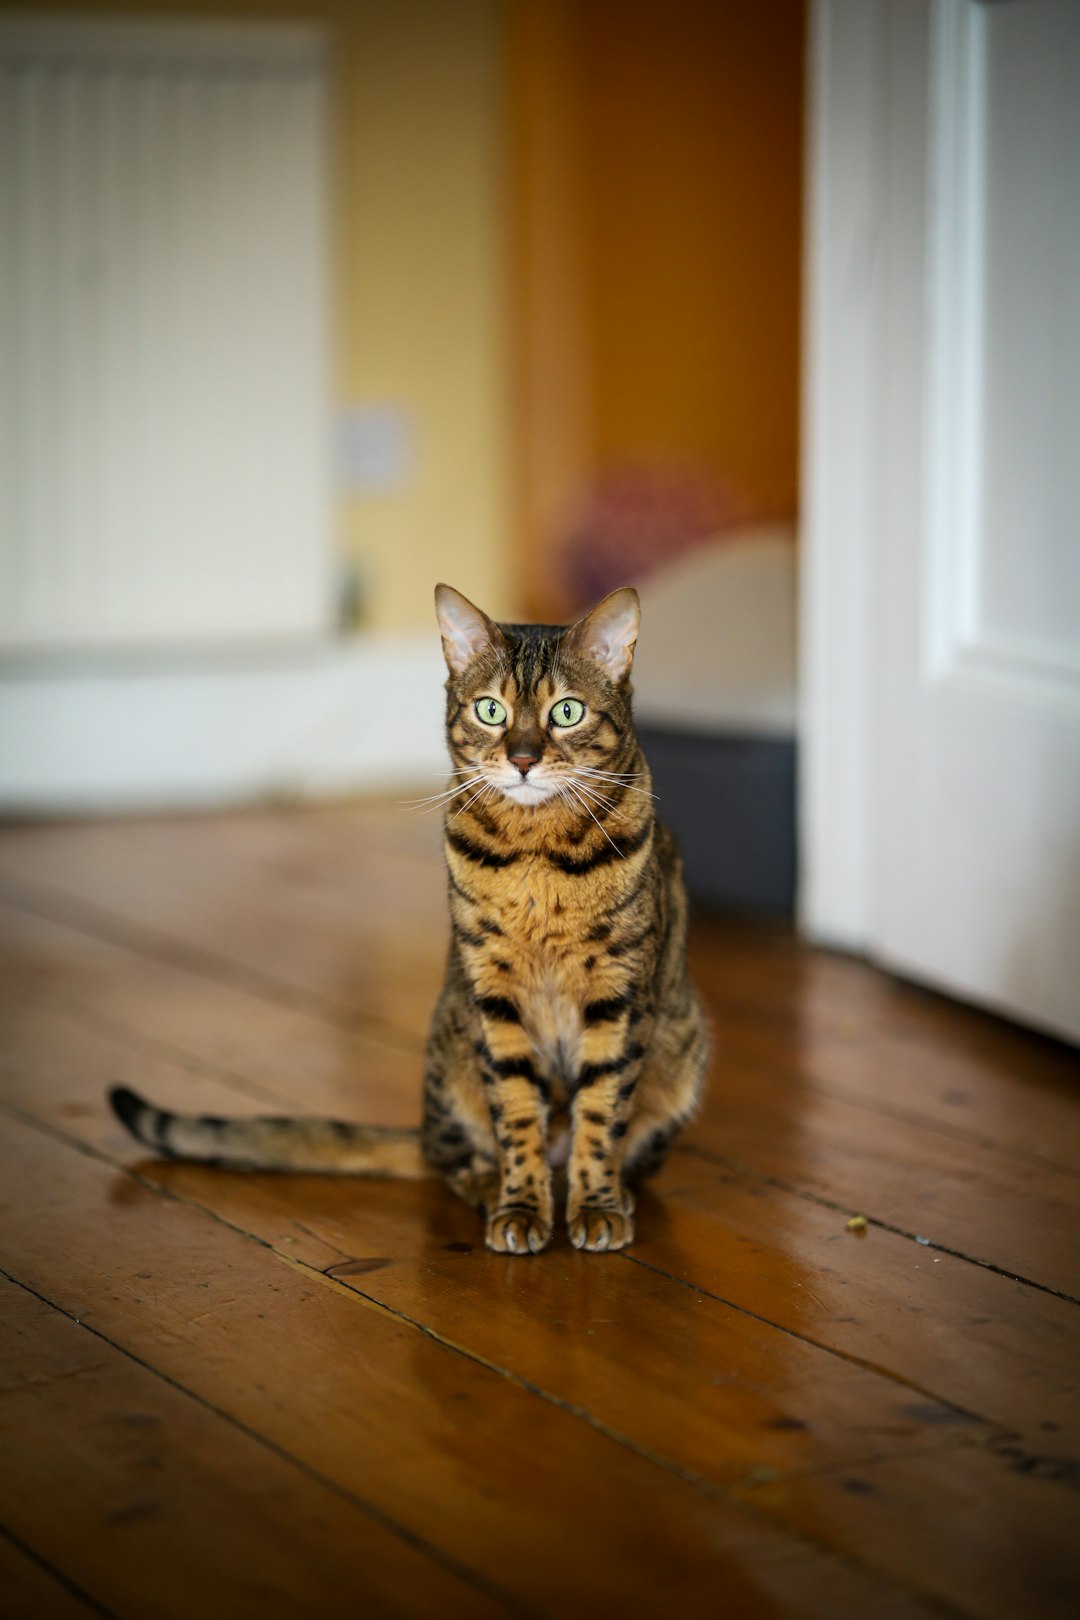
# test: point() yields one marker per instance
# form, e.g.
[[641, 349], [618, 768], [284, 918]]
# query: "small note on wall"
[[376, 450]]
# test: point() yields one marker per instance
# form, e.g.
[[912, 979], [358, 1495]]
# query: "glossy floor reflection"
[[304, 1396]]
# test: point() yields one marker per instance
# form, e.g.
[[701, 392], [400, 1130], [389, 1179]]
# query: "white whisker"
[[487, 788], [456, 788], [593, 795], [602, 789], [601, 804], [616, 780], [616, 776], [571, 804], [434, 800], [600, 824]]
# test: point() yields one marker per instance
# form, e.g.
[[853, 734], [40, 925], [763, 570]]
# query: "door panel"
[[968, 782]]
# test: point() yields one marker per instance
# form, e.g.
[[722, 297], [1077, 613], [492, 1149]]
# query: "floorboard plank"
[[563, 1323], [277, 1053], [973, 1338], [984, 1342], [994, 1533], [923, 1079], [859, 1034], [468, 1461], [1021, 1217], [753, 1402], [155, 1507], [366, 950], [765, 1405]]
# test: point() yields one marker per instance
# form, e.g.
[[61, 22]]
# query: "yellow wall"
[[423, 290], [658, 165], [694, 130], [417, 253]]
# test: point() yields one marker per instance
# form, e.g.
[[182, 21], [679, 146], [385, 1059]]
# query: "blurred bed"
[[715, 700]]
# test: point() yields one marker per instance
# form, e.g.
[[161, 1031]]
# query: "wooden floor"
[[254, 1396]]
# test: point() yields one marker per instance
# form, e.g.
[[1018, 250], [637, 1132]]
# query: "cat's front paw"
[[599, 1229], [518, 1231]]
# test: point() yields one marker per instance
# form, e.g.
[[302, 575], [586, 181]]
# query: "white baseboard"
[[328, 720]]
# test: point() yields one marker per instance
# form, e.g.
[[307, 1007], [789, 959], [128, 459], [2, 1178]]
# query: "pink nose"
[[523, 761]]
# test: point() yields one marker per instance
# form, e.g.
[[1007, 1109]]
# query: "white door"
[[941, 608]]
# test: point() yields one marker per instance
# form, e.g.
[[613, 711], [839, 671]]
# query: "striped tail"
[[325, 1146]]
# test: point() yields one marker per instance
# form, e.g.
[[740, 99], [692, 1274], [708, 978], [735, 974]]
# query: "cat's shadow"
[[355, 1217]]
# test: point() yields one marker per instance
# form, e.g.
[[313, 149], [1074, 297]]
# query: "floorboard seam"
[[359, 1503], [70, 1586], [846, 1356], [692, 1150]]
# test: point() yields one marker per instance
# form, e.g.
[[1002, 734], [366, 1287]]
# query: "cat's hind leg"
[[477, 1183], [457, 1135], [666, 1099]]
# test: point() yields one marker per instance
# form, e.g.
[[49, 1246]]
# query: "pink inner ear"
[[466, 631]]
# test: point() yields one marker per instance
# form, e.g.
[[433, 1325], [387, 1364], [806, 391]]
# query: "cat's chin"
[[527, 793]]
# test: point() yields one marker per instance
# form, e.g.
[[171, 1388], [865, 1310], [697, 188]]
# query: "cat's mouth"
[[524, 791]]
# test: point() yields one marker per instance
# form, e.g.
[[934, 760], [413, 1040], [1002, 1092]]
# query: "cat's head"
[[534, 709]]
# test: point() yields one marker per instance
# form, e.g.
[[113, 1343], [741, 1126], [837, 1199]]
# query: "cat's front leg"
[[522, 1217], [599, 1208]]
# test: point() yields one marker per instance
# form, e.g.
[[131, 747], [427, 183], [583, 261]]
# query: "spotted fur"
[[567, 1042]]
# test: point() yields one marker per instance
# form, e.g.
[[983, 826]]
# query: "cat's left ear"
[[607, 635], [466, 630]]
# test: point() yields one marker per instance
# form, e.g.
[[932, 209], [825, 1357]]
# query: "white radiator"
[[164, 410]]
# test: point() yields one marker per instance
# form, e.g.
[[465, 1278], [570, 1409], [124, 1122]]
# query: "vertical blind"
[[163, 388]]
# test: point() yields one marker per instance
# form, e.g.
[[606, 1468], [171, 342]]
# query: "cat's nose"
[[524, 759]]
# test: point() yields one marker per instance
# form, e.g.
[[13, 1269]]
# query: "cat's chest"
[[550, 1002], [546, 946]]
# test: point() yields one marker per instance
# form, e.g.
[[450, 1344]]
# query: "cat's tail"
[[326, 1146]]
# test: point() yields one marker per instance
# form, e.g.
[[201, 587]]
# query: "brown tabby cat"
[[567, 1032]]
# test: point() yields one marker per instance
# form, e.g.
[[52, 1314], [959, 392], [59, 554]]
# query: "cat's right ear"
[[466, 631]]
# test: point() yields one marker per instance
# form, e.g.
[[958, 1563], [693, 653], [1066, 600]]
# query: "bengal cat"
[[567, 1042]]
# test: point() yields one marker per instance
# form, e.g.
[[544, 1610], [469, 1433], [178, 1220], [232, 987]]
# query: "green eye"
[[490, 711], [567, 712]]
